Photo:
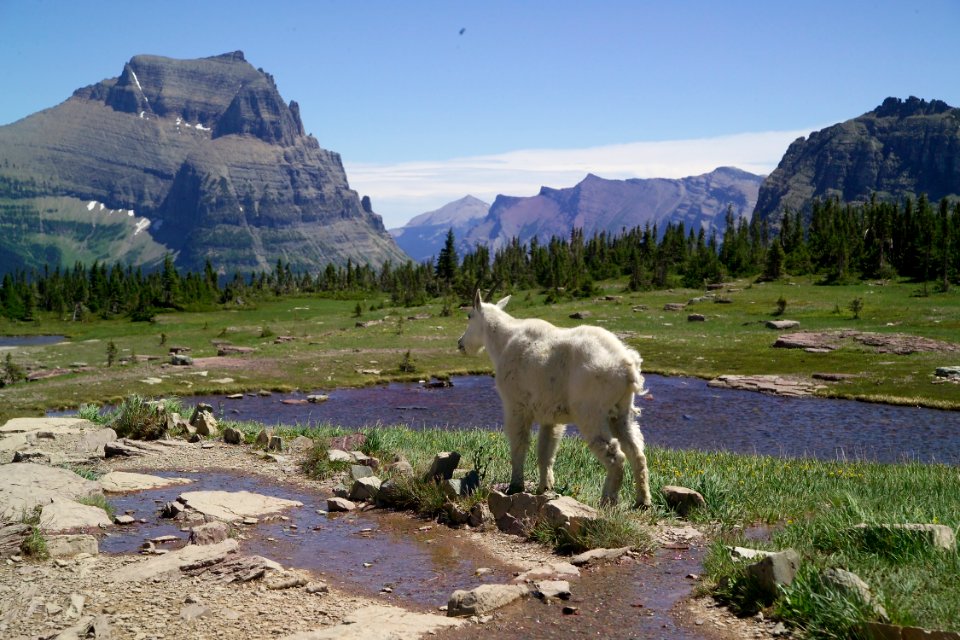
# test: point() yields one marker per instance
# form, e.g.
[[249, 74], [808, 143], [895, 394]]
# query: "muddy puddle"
[[404, 560], [632, 599]]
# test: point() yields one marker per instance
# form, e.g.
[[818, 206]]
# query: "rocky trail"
[[213, 540]]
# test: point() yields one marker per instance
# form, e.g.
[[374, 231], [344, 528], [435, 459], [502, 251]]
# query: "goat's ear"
[[477, 300], [503, 302]]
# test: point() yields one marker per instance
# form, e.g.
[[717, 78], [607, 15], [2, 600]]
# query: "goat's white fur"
[[552, 376]]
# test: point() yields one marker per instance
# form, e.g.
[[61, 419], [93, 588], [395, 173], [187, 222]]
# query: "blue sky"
[[530, 93]]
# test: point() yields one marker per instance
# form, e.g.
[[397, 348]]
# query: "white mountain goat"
[[552, 376]]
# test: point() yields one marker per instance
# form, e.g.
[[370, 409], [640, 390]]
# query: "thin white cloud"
[[402, 190]]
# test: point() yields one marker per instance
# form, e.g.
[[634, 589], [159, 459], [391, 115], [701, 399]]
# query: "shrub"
[[138, 419]]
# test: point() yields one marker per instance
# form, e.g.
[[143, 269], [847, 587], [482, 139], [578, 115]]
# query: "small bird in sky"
[[462, 30]]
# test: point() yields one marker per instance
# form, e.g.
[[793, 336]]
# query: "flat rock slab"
[[777, 385], [55, 425], [65, 515], [484, 599], [231, 506], [67, 546], [120, 481], [381, 623], [26, 485], [189, 557]]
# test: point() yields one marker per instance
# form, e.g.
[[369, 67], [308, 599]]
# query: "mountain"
[[597, 204], [901, 148], [201, 158], [423, 236]]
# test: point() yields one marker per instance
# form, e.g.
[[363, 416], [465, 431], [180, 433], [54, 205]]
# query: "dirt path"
[[637, 597]]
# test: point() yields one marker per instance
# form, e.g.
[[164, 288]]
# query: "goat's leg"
[[607, 450], [548, 440], [517, 427], [627, 431]]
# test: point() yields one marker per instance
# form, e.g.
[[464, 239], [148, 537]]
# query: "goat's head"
[[472, 340]]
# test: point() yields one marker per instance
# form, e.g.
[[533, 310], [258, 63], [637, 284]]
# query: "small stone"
[[336, 504], [683, 500], [124, 520], [232, 436], [317, 587]]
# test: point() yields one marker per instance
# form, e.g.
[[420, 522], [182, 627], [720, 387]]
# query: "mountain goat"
[[552, 376]]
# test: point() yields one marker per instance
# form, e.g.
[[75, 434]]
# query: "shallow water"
[[418, 560], [29, 341], [679, 413]]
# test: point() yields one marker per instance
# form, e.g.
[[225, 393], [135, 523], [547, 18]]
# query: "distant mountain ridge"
[[423, 236], [202, 158], [901, 148], [595, 204]]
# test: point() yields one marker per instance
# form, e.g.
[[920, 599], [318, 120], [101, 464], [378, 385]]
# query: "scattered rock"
[[232, 436], [948, 372], [683, 500], [773, 571], [675, 306], [263, 438], [549, 589], [358, 471], [365, 489], [124, 520], [340, 504], [190, 557], [549, 571], [232, 350], [782, 325], [11, 537], [484, 599], [596, 555], [318, 398], [317, 587], [580, 315], [696, 317], [443, 466], [180, 360], [275, 443]]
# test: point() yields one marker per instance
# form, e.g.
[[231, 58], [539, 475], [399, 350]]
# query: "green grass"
[[329, 350]]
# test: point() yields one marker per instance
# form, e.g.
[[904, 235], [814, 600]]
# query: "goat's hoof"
[[512, 489], [642, 506]]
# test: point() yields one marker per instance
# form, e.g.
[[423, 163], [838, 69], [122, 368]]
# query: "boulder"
[[549, 571], [365, 489], [204, 422], [568, 514], [301, 443], [358, 471], [549, 589], [11, 537], [232, 436], [25, 485], [180, 360], [683, 500], [263, 438], [484, 599], [67, 546], [275, 443], [948, 372], [336, 504], [64, 515], [853, 586], [318, 398], [336, 455], [773, 571], [443, 466], [675, 306], [782, 325], [210, 533], [400, 468], [935, 535], [696, 317]]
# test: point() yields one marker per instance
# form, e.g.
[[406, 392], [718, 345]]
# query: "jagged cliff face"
[[597, 204], [199, 157], [901, 148]]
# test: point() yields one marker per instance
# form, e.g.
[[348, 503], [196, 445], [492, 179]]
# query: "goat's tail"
[[636, 378]]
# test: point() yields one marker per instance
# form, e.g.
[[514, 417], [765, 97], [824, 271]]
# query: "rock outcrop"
[[901, 148], [201, 158]]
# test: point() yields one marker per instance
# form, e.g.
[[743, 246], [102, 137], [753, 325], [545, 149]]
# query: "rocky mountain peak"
[[224, 94], [912, 106]]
